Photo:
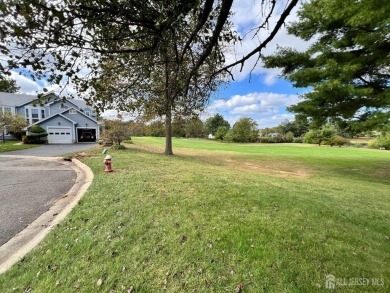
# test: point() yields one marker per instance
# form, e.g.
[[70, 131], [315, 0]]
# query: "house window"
[[27, 115], [7, 109], [35, 115], [72, 111], [43, 114], [88, 113]]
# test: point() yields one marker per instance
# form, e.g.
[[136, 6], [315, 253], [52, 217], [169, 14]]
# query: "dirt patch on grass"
[[274, 168], [266, 166]]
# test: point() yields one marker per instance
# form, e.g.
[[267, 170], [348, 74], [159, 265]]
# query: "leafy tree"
[[178, 127], [245, 130], [156, 128], [347, 66], [137, 128], [116, 131], [212, 123], [194, 128], [321, 135], [221, 132], [169, 48], [14, 124], [382, 142], [8, 85]]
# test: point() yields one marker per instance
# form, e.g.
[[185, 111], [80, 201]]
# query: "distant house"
[[273, 134], [68, 121], [211, 136]]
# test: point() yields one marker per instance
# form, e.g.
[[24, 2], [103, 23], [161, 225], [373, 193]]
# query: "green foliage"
[[34, 135], [320, 136], [8, 85], [116, 131], [221, 132], [13, 123], [178, 127], [382, 142], [212, 124], [346, 67], [194, 127], [244, 130], [338, 140], [156, 128], [36, 129]]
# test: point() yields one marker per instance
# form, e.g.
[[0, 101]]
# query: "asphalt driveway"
[[51, 150], [29, 186]]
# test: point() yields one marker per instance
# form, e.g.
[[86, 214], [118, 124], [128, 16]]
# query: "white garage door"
[[59, 135]]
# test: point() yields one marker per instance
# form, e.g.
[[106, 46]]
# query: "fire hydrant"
[[107, 162]]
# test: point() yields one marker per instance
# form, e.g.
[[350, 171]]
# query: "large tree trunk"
[[168, 114], [168, 135]]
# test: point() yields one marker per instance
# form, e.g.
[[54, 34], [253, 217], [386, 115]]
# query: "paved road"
[[30, 186], [50, 150]]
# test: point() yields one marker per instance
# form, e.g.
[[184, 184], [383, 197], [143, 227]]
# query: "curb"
[[21, 244]]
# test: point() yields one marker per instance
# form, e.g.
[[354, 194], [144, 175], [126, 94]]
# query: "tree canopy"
[[171, 49], [213, 123], [347, 66], [8, 85]]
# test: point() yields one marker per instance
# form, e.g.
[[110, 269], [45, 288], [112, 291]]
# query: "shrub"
[[338, 140], [289, 137], [380, 142], [32, 140], [312, 136], [229, 136], [34, 135], [221, 132], [297, 140]]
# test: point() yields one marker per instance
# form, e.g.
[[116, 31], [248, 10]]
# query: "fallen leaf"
[[239, 288]]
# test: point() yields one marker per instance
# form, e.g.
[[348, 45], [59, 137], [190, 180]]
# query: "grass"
[[11, 145], [274, 218]]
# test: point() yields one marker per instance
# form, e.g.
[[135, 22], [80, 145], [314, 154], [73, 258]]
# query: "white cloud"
[[270, 107], [255, 103], [27, 86], [248, 14]]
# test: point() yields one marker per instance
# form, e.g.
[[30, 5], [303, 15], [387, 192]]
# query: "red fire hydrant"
[[107, 162]]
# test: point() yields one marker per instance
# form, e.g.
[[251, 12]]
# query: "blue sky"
[[257, 92]]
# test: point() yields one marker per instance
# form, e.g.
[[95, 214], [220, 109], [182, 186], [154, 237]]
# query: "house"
[[273, 134], [65, 121]]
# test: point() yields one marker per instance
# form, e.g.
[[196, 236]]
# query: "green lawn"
[[274, 218], [12, 145]]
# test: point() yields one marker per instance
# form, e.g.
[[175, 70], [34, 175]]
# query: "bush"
[[297, 140], [338, 141], [380, 142], [289, 137], [34, 135], [32, 140], [221, 132], [229, 136]]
